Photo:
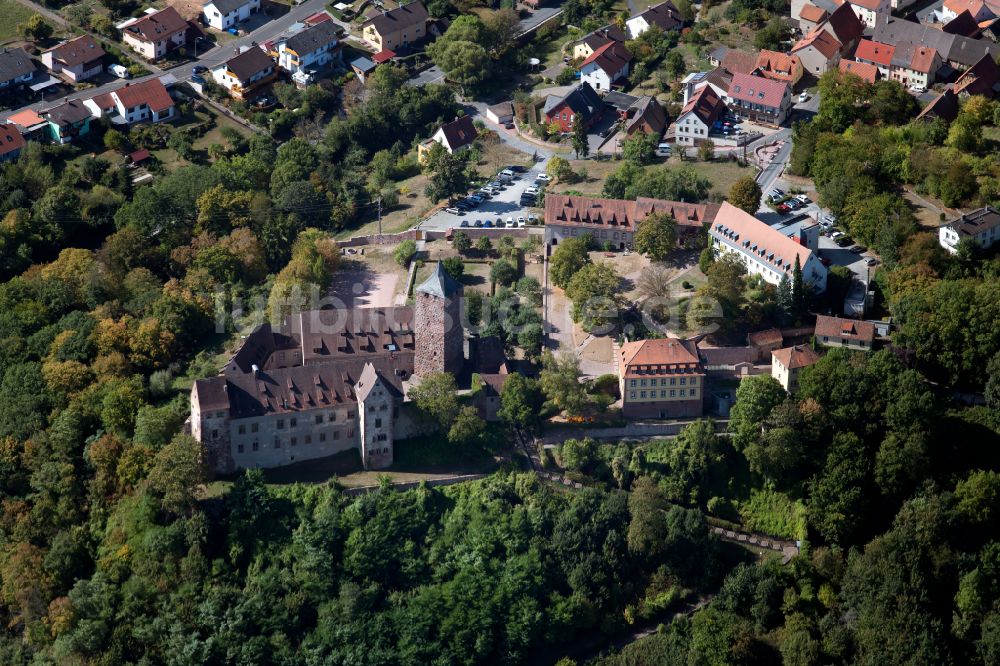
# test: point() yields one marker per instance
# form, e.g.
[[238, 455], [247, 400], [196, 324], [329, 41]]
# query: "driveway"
[[428, 76]]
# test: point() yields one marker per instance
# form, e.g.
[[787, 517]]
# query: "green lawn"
[[14, 13]]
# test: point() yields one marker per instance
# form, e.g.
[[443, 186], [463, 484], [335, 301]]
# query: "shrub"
[[405, 252]]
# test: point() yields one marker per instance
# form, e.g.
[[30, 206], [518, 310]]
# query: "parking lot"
[[506, 204]]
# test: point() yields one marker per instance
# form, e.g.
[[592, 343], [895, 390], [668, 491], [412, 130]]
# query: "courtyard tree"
[[484, 245], [405, 252], [745, 194], [466, 427], [595, 291], [560, 382], [570, 256], [520, 402], [503, 273], [656, 236], [755, 398], [449, 176], [35, 29], [706, 150], [461, 242], [436, 397]]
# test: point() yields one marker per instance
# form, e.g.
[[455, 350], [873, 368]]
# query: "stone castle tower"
[[437, 324]]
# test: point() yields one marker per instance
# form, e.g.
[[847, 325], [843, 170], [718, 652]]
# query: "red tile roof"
[[610, 57], [459, 132], [778, 66], [861, 69], [769, 336], [812, 13], [150, 92], [758, 90], [660, 352], [706, 105], [76, 51], [795, 357], [385, 55], [848, 329], [874, 52], [870, 5], [739, 62], [821, 40], [567, 210], [10, 139], [922, 59], [751, 236]]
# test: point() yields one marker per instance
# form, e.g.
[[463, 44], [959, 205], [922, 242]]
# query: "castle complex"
[[326, 381]]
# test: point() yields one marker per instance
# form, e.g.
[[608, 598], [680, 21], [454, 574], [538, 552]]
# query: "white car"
[[531, 190], [803, 97], [837, 234], [543, 177]]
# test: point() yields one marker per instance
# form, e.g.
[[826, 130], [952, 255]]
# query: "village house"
[[964, 24], [695, 122], [224, 14], [849, 333], [661, 379], [397, 28], [915, 66], [739, 62], [11, 142], [245, 73], [945, 106], [719, 79], [29, 124], [16, 67], [809, 16], [69, 120], [664, 16], [138, 102], [615, 221], [314, 47], [758, 99], [981, 227], [500, 113], [779, 67], [957, 51], [978, 9], [862, 70], [787, 365], [486, 393], [871, 12], [877, 54], [647, 116], [846, 28], [581, 102], [454, 136], [76, 59], [765, 250], [819, 52], [154, 35], [983, 78], [595, 40], [606, 66], [327, 381]]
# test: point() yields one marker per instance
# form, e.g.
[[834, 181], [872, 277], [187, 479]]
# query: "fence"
[[410, 485]]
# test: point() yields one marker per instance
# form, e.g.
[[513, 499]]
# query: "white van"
[[120, 71], [663, 150]]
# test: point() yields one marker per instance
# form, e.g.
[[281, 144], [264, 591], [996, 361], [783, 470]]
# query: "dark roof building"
[[68, 113], [77, 51], [251, 62], [158, 25], [944, 106], [312, 38], [983, 78], [399, 18], [15, 64]]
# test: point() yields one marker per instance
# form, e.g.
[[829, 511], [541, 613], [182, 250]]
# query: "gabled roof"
[[976, 222], [15, 63], [915, 58], [77, 51], [812, 13], [848, 329], [661, 351], [157, 26], [706, 105], [720, 77], [963, 24], [611, 58], [398, 19], [647, 110], [875, 52], [10, 139], [944, 106], [312, 38], [844, 24], [980, 79], [601, 36], [861, 69], [68, 113], [953, 48], [750, 236], [870, 5], [250, 62], [757, 89], [578, 211], [226, 6], [150, 92], [664, 15], [769, 336], [775, 65], [739, 62], [821, 40], [792, 358], [583, 101], [368, 380], [459, 132], [974, 7], [440, 284]]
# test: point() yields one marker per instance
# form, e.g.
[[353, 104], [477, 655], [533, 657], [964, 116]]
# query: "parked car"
[[858, 249], [837, 234], [453, 210], [508, 173], [120, 71], [509, 125], [793, 204], [521, 221], [488, 224], [543, 177], [510, 221], [199, 69], [871, 261], [825, 261], [783, 208], [479, 223], [465, 223], [803, 199], [532, 219], [531, 190]]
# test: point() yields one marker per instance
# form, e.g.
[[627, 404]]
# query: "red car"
[[825, 261], [782, 208]]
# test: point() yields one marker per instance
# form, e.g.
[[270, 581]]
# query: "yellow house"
[[595, 40], [397, 28]]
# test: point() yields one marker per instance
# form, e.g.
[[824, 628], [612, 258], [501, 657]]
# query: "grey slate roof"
[[583, 99], [67, 113], [250, 62], [15, 63], [440, 284], [953, 48], [226, 6], [312, 39], [363, 63]]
